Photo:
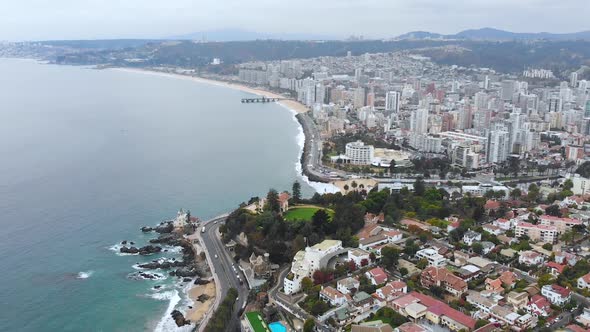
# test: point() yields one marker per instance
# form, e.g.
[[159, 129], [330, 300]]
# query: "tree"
[[419, 187], [319, 220], [547, 246], [533, 194], [477, 248], [389, 257], [515, 193], [364, 262], [392, 166], [422, 263], [346, 187], [568, 236], [372, 257], [403, 271], [272, 201], [553, 210], [309, 325], [568, 184], [481, 323], [306, 284], [354, 185], [296, 192]]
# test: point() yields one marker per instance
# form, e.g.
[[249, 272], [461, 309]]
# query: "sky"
[[103, 19]]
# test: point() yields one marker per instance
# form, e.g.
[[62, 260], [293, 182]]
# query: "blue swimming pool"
[[277, 327]]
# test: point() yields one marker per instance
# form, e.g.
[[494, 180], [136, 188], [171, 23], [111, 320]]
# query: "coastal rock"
[[149, 249], [157, 286], [146, 229], [187, 280], [179, 318], [165, 227], [200, 281], [183, 272], [129, 250], [124, 242], [172, 239], [203, 297]]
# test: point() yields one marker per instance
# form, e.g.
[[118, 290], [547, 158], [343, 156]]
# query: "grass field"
[[304, 213]]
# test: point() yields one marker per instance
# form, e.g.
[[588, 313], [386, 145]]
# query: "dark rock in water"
[[162, 264], [146, 229], [149, 249], [183, 272], [129, 250], [187, 280], [131, 243], [190, 306], [157, 286], [200, 281], [165, 227], [124, 242], [179, 318], [172, 239], [203, 297]]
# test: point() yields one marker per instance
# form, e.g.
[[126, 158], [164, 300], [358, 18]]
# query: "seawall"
[[305, 156]]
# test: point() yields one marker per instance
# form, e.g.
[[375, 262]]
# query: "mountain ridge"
[[493, 34]]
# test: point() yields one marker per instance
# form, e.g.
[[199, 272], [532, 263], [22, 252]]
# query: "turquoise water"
[[277, 327], [88, 157]]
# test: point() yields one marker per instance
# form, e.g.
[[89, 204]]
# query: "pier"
[[261, 100]]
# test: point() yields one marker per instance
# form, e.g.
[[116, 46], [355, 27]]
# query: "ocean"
[[89, 156]]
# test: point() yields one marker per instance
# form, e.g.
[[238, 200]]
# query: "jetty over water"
[[261, 100]]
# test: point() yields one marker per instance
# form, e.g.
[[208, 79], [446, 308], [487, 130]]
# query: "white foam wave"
[[166, 323], [172, 250], [85, 274], [319, 187]]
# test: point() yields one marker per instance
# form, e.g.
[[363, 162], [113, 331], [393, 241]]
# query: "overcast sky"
[[92, 19]]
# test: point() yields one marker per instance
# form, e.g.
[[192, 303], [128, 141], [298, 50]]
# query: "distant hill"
[[491, 34], [226, 35]]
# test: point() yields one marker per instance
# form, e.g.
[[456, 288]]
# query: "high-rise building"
[[359, 97], [498, 146], [486, 83], [508, 88], [392, 101], [574, 80], [419, 121]]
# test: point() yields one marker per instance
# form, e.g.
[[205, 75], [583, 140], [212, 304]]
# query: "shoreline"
[[288, 103]]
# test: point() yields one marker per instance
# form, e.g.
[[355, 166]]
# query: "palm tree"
[[346, 187], [354, 185]]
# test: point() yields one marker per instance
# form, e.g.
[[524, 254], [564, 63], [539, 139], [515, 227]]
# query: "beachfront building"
[[307, 261], [359, 154]]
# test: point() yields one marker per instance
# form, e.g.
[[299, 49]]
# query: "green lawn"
[[256, 322], [304, 213]]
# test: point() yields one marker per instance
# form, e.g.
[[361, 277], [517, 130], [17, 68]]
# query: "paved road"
[[222, 265]]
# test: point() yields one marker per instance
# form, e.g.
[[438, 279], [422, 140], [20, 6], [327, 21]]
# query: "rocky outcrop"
[[159, 264], [171, 239], [179, 318], [147, 250], [162, 228], [187, 271]]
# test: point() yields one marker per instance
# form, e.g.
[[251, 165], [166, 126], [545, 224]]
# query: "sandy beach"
[[290, 104], [199, 309]]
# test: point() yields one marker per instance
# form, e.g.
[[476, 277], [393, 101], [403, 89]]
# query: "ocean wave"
[[172, 250], [319, 187], [166, 323], [85, 274]]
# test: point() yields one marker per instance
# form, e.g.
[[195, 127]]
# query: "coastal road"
[[223, 267]]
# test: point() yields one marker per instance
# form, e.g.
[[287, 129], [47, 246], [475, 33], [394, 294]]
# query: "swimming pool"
[[277, 327]]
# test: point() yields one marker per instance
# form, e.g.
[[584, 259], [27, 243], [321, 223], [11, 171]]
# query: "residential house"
[[554, 268], [503, 224], [348, 285], [432, 256], [584, 281], [492, 229], [556, 294], [362, 301], [563, 257], [391, 291], [487, 247], [359, 256], [441, 277], [470, 236], [584, 318], [333, 296], [530, 258], [374, 235], [539, 306], [562, 224], [376, 276], [284, 201], [374, 326], [518, 300], [539, 232]]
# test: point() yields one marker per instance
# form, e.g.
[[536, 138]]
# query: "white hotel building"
[[307, 261], [359, 154]]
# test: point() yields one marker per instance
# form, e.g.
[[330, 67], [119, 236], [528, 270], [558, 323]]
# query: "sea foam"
[[319, 187], [166, 323], [85, 274]]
